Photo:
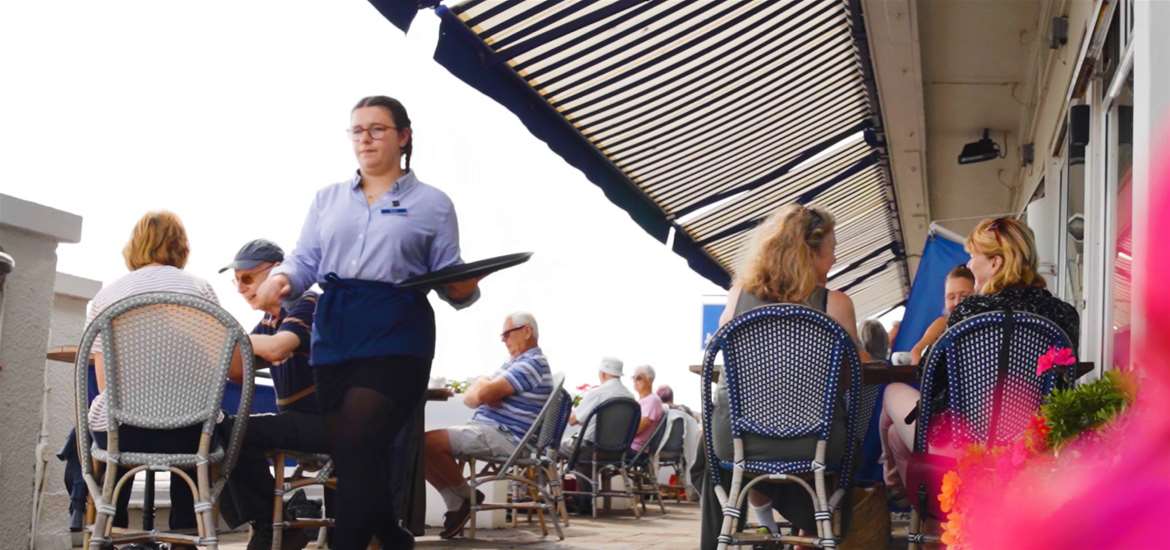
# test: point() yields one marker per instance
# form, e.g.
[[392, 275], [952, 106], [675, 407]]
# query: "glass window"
[[1121, 181]]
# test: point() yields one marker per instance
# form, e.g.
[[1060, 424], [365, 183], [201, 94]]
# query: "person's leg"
[[897, 436], [441, 470], [361, 425], [248, 494], [74, 482]]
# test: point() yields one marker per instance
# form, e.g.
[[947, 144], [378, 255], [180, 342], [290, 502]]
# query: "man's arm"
[[272, 348], [488, 392]]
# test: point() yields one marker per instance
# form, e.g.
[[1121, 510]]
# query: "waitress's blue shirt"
[[410, 230]]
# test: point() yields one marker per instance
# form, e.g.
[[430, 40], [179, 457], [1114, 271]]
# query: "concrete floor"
[[679, 528]]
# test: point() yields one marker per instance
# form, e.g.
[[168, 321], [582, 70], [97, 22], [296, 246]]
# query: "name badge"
[[394, 211]]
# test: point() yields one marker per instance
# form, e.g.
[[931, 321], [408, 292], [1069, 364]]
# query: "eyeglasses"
[[376, 132], [248, 278], [995, 227], [504, 335]]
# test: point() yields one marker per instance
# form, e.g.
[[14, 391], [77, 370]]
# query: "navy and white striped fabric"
[[532, 382], [700, 118], [970, 352]]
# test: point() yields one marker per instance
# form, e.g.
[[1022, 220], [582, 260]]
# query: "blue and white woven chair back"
[[783, 367], [616, 424], [166, 358], [971, 352]]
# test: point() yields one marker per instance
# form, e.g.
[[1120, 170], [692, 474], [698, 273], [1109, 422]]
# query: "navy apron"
[[358, 319]]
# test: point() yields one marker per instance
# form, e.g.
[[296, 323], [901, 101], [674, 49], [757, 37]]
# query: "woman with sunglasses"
[[372, 342], [1003, 262]]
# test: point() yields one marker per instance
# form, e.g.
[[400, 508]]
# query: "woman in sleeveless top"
[[791, 255]]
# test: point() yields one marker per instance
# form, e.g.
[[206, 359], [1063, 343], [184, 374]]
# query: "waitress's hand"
[[459, 291], [274, 289]]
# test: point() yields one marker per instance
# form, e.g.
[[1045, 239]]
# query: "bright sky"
[[232, 114]]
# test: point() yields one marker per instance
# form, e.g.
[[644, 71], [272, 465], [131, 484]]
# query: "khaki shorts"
[[480, 440]]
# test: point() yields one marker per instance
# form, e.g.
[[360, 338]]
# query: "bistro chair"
[[166, 358], [988, 365], [529, 467], [673, 454], [616, 422], [784, 368], [287, 483], [643, 466]]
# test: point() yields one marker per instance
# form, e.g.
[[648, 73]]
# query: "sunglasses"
[[504, 335], [995, 226]]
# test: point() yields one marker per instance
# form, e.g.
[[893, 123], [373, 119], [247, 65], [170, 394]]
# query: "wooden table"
[[65, 354]]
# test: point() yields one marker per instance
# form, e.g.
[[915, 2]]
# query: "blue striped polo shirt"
[[531, 381], [293, 378]]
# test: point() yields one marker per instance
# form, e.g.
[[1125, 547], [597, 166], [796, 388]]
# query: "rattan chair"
[[166, 359], [528, 468], [616, 423], [643, 467], [783, 371], [321, 465], [992, 392]]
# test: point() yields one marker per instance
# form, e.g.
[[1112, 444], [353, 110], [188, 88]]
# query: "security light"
[[979, 151]]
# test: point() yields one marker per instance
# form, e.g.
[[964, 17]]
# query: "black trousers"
[[182, 440], [369, 404], [248, 494]]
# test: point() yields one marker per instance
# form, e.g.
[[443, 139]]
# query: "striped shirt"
[[151, 278], [531, 381], [293, 378]]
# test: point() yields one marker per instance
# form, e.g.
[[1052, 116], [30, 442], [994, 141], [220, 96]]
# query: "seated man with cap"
[[506, 405], [609, 373], [281, 344]]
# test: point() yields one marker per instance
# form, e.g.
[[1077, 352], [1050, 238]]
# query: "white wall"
[[70, 296], [30, 233]]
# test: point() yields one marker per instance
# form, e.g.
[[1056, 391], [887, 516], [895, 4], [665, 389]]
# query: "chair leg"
[[638, 504], [914, 530], [596, 487], [557, 490], [727, 531], [824, 524], [654, 486], [204, 506], [471, 496], [278, 501]]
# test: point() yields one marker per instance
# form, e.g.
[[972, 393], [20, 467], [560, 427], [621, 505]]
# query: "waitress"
[[372, 342]]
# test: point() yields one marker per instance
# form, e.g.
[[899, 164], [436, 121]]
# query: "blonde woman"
[[155, 255], [1003, 262], [789, 262]]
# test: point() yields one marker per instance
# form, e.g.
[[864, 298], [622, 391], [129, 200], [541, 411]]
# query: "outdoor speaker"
[[1078, 125]]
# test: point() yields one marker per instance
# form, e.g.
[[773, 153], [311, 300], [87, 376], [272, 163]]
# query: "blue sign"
[[711, 313]]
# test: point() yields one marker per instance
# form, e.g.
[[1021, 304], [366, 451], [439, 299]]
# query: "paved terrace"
[[679, 528]]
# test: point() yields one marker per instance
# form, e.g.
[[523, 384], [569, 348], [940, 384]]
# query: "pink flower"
[[583, 387], [1054, 357]]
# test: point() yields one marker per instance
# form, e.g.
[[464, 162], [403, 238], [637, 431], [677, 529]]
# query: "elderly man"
[[281, 342], [652, 407], [609, 373], [506, 404]]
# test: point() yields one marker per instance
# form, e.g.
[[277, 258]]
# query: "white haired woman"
[[652, 408]]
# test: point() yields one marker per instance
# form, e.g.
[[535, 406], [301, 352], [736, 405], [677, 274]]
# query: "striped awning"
[[699, 118]]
